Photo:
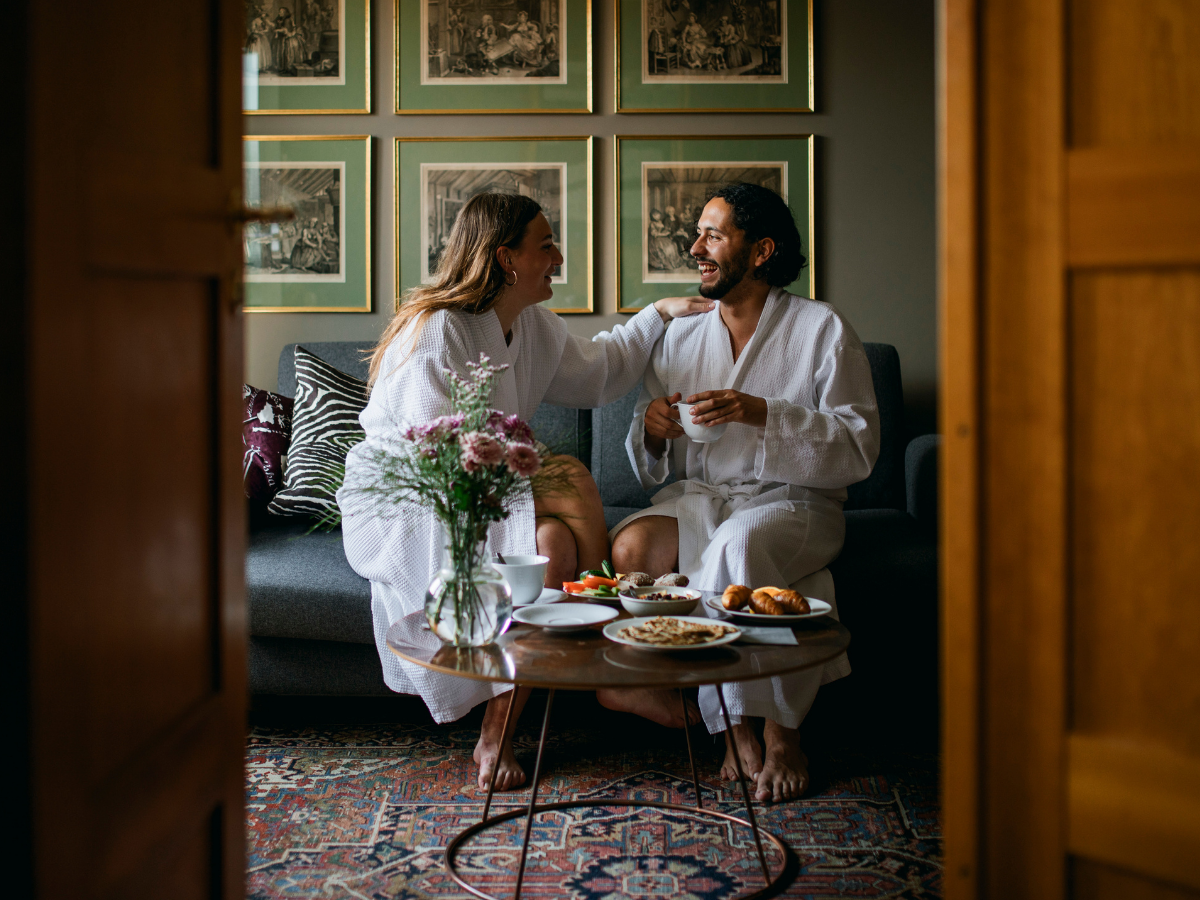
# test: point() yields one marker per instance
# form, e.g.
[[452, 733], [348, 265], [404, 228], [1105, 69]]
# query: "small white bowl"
[[636, 606], [562, 618]]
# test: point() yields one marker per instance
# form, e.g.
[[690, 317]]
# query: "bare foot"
[[749, 750], [510, 774], [784, 773], [661, 706], [494, 749]]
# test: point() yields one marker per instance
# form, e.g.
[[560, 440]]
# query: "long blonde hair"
[[469, 277]]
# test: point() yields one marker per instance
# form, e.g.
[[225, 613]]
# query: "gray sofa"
[[310, 614]]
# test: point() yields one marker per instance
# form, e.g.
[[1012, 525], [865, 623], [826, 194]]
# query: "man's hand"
[[719, 407], [662, 424], [679, 307]]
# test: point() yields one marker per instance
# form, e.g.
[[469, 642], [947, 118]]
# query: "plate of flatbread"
[[671, 632]]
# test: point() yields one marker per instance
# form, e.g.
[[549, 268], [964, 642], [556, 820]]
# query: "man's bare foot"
[[749, 750], [494, 749], [661, 706], [784, 773]]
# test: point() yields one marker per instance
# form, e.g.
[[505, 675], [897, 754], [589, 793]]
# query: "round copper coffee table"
[[526, 656]]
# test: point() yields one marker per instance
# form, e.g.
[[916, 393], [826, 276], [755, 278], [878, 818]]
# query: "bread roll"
[[672, 579], [794, 603], [639, 579], [736, 596], [764, 604]]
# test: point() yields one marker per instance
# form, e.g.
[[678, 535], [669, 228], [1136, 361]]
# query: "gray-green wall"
[[875, 237]]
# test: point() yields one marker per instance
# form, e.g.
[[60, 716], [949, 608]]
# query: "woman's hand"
[[661, 424], [678, 307]]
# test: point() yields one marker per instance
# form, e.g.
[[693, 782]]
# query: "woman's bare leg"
[[555, 540], [581, 510], [651, 545], [495, 749]]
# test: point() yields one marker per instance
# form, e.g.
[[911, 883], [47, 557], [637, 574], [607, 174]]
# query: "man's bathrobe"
[[400, 551], [763, 506]]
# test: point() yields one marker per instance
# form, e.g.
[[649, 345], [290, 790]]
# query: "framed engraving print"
[[662, 186], [493, 56], [306, 57], [320, 261], [435, 177], [714, 56]]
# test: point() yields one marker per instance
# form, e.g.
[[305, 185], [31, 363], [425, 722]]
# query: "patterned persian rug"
[[365, 811]]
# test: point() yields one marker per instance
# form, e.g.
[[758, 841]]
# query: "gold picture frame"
[[683, 151], [627, 36], [406, 48], [412, 242], [365, 109], [355, 247]]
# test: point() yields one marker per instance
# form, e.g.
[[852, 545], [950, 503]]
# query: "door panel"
[[1135, 401], [136, 523], [1078, 300]]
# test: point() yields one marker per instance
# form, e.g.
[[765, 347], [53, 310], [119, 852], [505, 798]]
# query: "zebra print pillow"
[[324, 428]]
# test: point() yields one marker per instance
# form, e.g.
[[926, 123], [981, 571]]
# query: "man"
[[762, 506]]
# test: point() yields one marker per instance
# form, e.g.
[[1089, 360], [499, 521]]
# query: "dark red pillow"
[[266, 434]]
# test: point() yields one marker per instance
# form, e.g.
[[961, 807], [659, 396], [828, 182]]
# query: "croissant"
[[764, 604], [736, 596], [794, 603]]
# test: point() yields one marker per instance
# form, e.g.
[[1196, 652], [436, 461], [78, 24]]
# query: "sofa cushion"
[[564, 430], [618, 483], [324, 428], [300, 585], [351, 357], [266, 434], [884, 487]]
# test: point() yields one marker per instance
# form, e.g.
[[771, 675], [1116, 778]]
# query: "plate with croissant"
[[767, 606]]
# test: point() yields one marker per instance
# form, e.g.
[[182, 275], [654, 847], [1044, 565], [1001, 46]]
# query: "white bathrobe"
[[400, 554], [763, 506]]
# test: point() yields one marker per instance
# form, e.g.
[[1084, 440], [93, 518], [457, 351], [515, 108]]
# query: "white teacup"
[[701, 434], [526, 575]]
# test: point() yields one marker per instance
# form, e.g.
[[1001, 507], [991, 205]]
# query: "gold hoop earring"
[[510, 283]]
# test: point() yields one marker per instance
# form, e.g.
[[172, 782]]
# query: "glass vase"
[[468, 600]]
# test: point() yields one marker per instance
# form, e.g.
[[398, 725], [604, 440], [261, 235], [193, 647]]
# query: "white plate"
[[548, 595], [611, 629], [819, 608], [563, 617]]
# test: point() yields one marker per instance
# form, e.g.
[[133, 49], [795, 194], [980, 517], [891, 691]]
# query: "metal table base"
[[773, 885]]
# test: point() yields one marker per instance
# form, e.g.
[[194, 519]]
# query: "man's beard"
[[730, 277]]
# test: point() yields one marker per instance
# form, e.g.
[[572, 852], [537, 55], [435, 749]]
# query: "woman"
[[484, 298]]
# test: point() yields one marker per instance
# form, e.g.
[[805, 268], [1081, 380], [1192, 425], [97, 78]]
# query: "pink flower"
[[515, 429], [479, 449], [522, 459], [439, 429]]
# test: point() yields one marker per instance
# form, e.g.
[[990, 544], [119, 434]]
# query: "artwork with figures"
[[296, 43], [493, 41], [673, 196], [310, 247], [446, 188], [714, 41]]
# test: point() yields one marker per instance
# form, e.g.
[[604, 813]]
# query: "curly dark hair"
[[760, 213]]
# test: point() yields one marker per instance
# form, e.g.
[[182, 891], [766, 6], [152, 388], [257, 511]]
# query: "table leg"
[[537, 774], [691, 758], [487, 804], [737, 761]]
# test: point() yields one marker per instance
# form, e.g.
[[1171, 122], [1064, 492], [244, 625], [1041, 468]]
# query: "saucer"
[[562, 618]]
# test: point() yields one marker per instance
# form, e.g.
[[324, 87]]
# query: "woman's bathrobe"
[[400, 551], [763, 506]]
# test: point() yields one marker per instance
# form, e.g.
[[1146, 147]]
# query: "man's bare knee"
[[649, 544]]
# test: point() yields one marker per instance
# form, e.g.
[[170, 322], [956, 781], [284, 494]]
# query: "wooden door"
[[1070, 259], [135, 516]]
